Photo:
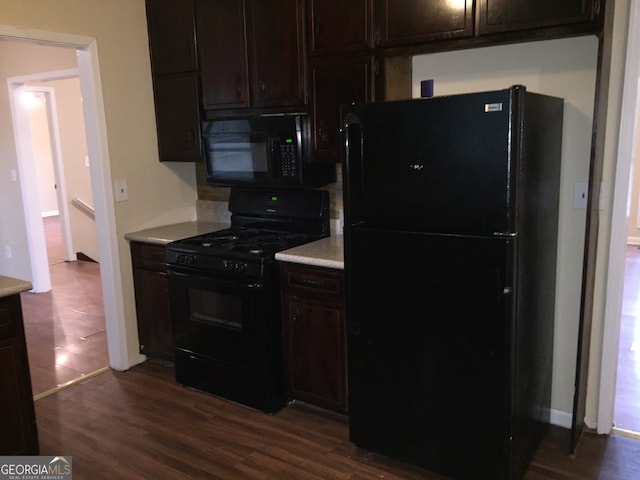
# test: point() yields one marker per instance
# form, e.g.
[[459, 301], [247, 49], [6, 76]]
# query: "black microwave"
[[262, 151]]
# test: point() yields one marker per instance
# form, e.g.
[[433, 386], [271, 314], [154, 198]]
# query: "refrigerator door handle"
[[505, 234], [353, 147]]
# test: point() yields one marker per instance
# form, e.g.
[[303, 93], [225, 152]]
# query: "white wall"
[[564, 68]]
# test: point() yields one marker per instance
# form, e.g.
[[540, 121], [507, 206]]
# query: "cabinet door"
[[152, 300], [405, 22], [314, 333], [334, 83], [336, 26], [222, 52], [178, 117], [508, 15], [171, 36], [276, 48], [152, 309]]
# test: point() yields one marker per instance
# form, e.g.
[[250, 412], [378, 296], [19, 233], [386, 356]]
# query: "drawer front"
[[313, 280], [149, 256]]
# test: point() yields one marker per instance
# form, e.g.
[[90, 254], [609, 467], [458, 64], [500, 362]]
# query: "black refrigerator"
[[451, 221]]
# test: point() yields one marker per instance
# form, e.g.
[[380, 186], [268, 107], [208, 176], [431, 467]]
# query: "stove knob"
[[191, 259]]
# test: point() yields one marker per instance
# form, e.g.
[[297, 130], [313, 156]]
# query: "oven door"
[[230, 321]]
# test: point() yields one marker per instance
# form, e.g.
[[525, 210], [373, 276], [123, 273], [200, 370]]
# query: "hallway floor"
[[627, 406], [65, 330]]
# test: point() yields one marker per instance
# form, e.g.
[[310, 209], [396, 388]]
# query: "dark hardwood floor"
[[139, 424], [64, 328]]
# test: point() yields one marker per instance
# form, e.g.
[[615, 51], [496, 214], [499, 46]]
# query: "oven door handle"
[[183, 276]]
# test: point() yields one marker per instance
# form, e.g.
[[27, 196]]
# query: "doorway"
[[627, 401], [615, 270], [627, 398], [120, 358], [65, 325]]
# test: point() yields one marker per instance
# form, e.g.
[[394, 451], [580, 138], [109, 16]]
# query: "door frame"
[[98, 152], [629, 125], [26, 165]]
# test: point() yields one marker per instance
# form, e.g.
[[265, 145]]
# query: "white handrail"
[[84, 206]]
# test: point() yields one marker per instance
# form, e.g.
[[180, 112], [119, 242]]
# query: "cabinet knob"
[[263, 87]]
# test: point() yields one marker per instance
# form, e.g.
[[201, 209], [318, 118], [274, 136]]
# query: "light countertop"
[[326, 252], [12, 286], [169, 233]]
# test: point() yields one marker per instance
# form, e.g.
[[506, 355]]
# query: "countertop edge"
[[168, 233], [12, 286], [326, 252], [316, 262]]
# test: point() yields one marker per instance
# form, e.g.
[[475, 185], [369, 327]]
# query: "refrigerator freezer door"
[[429, 370], [440, 165]]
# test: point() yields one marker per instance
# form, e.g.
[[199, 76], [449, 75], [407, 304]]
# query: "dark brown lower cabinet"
[[314, 335], [18, 431], [152, 300]]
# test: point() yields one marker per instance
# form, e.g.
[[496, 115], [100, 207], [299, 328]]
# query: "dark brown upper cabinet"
[[172, 42], [336, 81], [511, 15], [251, 53], [407, 22], [338, 26], [178, 117], [174, 68], [223, 55]]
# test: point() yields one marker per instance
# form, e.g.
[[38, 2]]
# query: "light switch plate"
[[580, 195], [122, 194]]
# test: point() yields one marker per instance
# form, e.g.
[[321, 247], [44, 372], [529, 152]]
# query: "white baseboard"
[[560, 418]]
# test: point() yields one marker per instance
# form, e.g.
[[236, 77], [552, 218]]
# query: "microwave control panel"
[[288, 158]]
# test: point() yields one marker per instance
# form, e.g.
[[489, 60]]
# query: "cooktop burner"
[[252, 241]]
